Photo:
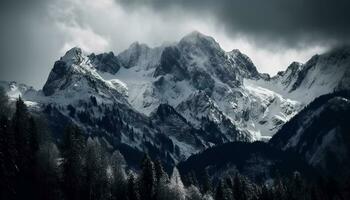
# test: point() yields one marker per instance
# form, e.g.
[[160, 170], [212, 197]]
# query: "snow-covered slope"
[[196, 64], [74, 77], [15, 90], [218, 94], [320, 75]]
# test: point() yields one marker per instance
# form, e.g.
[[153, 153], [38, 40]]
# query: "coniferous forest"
[[33, 166]]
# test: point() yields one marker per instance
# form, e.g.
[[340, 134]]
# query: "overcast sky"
[[273, 33]]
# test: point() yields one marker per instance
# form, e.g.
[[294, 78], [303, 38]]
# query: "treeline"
[[32, 166]]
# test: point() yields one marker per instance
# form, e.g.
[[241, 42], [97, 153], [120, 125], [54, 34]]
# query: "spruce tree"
[[206, 184], [118, 177], [95, 170], [147, 179], [21, 133], [8, 167], [33, 138], [25, 133], [221, 192], [239, 188], [161, 180], [132, 190], [265, 193], [73, 146], [159, 171], [176, 186], [48, 172]]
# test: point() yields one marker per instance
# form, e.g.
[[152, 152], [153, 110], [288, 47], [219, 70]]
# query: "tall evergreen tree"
[[162, 180], [33, 135], [25, 133], [147, 179], [222, 192], [118, 176], [177, 188], [48, 174], [206, 184], [20, 126], [73, 147], [8, 169], [279, 191], [265, 193], [132, 190], [240, 188], [159, 171], [95, 171]]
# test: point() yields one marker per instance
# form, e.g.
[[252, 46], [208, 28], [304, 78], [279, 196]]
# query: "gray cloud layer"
[[292, 22], [26, 41], [273, 33]]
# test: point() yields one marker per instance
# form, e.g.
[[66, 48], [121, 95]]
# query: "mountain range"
[[176, 100]]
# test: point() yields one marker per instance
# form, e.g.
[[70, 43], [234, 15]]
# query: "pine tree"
[[147, 179], [221, 192], [159, 171], [279, 191], [162, 180], [118, 176], [240, 189], [25, 134], [206, 184], [132, 190], [73, 146], [8, 169], [177, 189], [20, 127], [95, 170], [48, 156], [33, 137], [265, 193], [295, 188]]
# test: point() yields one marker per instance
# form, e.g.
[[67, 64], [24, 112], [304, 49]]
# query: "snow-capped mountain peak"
[[210, 95], [196, 38], [73, 56], [75, 77]]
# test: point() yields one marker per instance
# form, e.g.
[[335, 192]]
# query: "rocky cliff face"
[[181, 98]]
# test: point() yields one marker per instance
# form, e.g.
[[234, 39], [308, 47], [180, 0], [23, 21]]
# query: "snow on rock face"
[[202, 112], [197, 106], [253, 102], [15, 90], [219, 92], [170, 74], [75, 77], [268, 110], [320, 75], [243, 64], [178, 129]]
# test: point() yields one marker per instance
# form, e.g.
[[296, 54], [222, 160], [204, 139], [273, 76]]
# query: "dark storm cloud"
[[35, 33], [288, 21]]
